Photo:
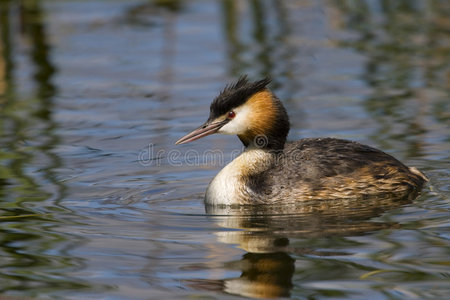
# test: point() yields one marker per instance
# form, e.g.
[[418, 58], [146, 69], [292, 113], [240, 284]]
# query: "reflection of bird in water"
[[264, 275], [272, 234], [268, 228], [271, 171]]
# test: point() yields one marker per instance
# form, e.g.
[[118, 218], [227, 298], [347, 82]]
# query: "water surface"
[[97, 202]]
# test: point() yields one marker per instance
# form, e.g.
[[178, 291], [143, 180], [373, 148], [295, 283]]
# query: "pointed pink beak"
[[202, 131]]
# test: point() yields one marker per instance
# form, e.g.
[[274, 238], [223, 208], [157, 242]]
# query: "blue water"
[[96, 201]]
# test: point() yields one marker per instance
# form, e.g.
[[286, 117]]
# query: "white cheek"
[[239, 124]]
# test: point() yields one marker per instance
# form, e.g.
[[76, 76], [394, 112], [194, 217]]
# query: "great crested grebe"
[[271, 171]]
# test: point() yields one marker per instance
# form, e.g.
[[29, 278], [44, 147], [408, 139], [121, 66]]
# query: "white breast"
[[224, 188], [228, 187]]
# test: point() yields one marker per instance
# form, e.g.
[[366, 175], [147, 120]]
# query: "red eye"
[[231, 115]]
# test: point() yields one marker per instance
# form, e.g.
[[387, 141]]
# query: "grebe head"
[[249, 110]]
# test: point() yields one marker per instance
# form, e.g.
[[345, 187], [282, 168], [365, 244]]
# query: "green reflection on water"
[[33, 255], [265, 51], [408, 57]]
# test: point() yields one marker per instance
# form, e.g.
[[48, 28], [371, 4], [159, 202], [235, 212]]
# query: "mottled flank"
[[327, 168]]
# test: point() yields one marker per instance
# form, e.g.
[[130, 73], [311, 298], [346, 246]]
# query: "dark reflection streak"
[[231, 25], [260, 34], [34, 24], [11, 142], [285, 55], [144, 14], [40, 54], [13, 129], [6, 63], [168, 53], [268, 49]]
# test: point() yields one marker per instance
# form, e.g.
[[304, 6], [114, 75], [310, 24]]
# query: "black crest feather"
[[236, 94]]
